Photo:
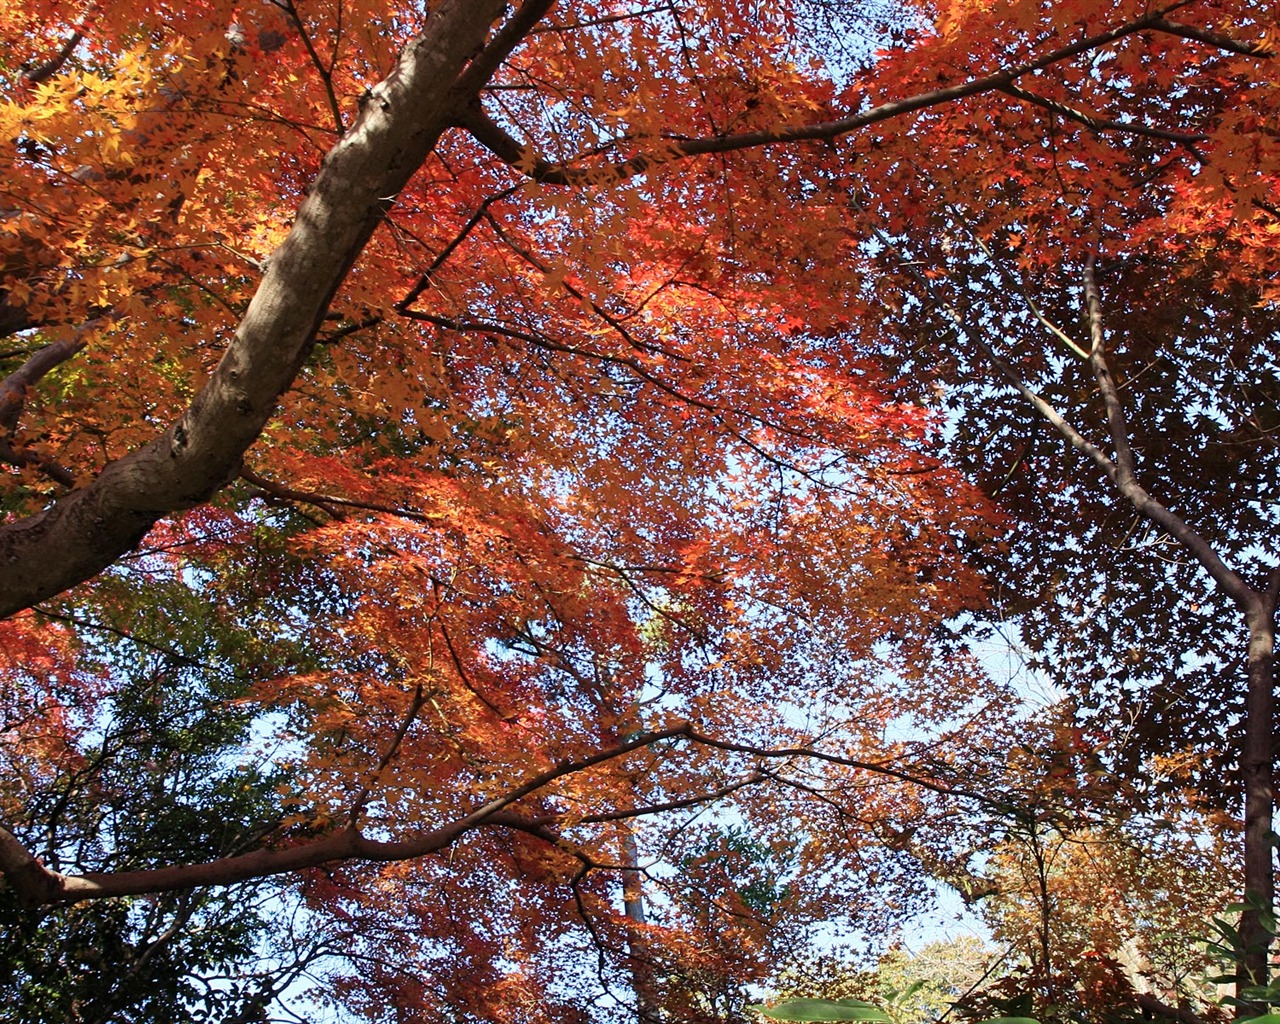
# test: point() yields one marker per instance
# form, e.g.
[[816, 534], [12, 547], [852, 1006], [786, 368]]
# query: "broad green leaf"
[[907, 992], [825, 1010]]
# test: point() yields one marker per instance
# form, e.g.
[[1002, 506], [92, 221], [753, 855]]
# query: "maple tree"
[[1098, 312], [1095, 892], [501, 361]]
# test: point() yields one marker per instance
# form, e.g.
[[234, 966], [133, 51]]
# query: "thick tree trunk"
[[436, 78], [1259, 801]]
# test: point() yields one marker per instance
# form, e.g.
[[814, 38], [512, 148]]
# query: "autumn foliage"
[[478, 476]]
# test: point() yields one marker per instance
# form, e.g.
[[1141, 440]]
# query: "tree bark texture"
[[80, 535]]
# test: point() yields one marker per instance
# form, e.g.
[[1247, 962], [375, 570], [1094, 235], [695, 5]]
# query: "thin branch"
[[876, 768], [362, 798], [1215, 39], [1100, 124], [1059, 423], [538, 265], [1249, 600], [479, 215], [466, 679], [1154, 511], [24, 457], [509, 150], [676, 804], [166, 652], [611, 19], [1016, 281], [279, 491], [718, 412], [326, 73]]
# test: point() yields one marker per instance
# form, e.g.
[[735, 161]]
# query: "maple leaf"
[[527, 404]]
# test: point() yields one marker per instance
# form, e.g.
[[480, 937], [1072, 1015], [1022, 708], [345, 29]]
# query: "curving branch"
[[523, 157], [14, 388], [1102, 124], [13, 398], [35, 885], [275, 492]]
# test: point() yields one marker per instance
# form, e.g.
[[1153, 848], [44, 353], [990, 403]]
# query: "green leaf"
[[1010, 1020], [907, 992], [826, 1010], [1266, 1018]]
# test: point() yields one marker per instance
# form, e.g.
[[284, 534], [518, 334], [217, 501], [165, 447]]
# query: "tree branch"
[[484, 65], [51, 67], [22, 872], [36, 885], [366, 791], [1100, 124], [1151, 1004], [510, 151], [1248, 600], [1215, 39], [78, 536], [21, 458], [280, 492], [1117, 427], [13, 389]]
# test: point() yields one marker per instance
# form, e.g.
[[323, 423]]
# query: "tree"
[[1143, 430], [912, 988], [1096, 310], [1100, 893], [137, 762], [1097, 895], [516, 381]]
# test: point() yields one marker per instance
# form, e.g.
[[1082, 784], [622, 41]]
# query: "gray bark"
[[80, 535]]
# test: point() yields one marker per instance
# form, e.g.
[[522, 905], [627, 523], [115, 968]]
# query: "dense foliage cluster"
[[504, 505]]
